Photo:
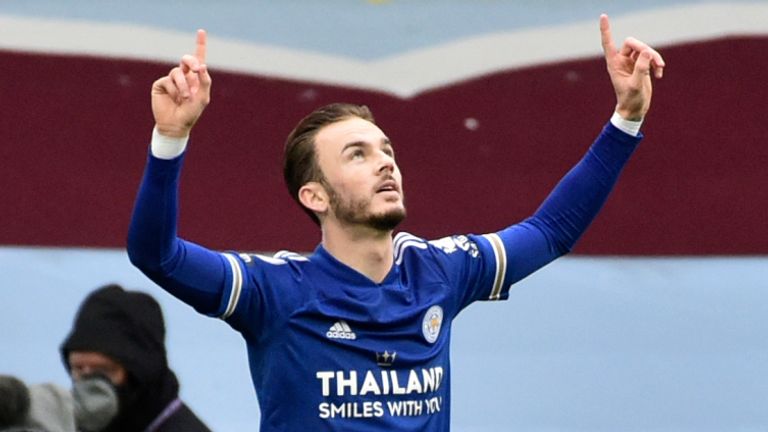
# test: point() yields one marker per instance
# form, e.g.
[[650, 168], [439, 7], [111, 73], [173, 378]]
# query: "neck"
[[367, 250]]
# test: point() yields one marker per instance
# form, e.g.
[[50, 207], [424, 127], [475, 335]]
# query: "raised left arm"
[[565, 215]]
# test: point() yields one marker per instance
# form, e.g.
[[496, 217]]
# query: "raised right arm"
[[196, 275]]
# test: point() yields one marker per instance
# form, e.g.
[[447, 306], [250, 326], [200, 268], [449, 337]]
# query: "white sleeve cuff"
[[165, 147], [627, 126]]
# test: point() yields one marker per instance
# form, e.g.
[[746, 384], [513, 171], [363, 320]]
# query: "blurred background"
[[656, 322]]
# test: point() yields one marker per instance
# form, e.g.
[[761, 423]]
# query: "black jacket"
[[128, 327], [183, 420]]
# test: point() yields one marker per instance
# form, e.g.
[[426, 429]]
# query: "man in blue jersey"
[[356, 336]]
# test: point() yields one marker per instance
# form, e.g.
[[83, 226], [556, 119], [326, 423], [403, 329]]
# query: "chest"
[[396, 325]]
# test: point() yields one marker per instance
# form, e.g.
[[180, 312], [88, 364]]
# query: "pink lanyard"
[[167, 412]]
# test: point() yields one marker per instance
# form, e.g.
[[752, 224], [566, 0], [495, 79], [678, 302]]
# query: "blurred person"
[[34, 408], [356, 336], [14, 403], [87, 407], [118, 338]]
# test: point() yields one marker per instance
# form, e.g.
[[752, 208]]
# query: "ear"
[[314, 197]]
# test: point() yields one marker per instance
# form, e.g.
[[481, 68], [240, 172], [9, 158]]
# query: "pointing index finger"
[[605, 36], [201, 46]]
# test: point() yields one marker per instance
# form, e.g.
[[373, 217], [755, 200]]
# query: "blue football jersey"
[[330, 349]]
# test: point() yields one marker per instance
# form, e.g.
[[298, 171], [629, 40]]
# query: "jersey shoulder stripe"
[[405, 240], [236, 287], [277, 259], [239, 264], [288, 255], [500, 258]]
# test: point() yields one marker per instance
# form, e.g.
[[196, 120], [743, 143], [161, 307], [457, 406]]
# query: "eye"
[[76, 370], [358, 154]]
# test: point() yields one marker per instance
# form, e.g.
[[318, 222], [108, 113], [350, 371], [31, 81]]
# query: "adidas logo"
[[341, 330]]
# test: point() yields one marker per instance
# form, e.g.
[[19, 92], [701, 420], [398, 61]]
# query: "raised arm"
[[567, 212], [192, 273]]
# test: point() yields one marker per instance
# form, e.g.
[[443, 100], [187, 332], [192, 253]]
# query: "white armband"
[[165, 147], [627, 126]]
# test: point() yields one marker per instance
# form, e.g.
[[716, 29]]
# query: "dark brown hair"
[[300, 163]]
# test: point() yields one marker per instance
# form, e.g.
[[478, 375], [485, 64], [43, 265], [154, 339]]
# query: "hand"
[[630, 71], [179, 98]]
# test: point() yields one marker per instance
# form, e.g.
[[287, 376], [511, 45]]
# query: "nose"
[[80, 371], [387, 162]]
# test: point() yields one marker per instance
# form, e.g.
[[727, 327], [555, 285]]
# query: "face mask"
[[96, 402]]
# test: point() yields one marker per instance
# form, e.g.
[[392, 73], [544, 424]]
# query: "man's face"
[[83, 363], [362, 179]]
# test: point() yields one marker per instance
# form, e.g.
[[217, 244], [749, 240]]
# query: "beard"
[[355, 212]]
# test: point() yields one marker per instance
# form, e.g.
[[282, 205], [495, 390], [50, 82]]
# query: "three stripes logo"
[[341, 330]]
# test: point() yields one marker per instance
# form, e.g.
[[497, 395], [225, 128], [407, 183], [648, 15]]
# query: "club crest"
[[432, 322]]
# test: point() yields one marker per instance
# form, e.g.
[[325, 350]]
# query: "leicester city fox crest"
[[430, 325]]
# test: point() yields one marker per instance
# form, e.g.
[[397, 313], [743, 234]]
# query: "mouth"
[[388, 186]]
